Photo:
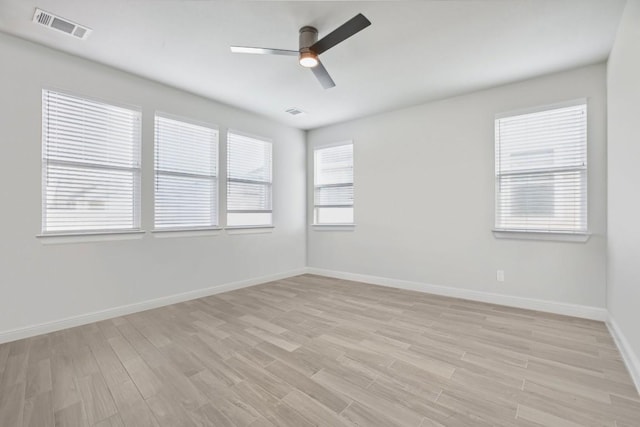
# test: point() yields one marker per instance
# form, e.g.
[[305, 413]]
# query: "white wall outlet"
[[500, 275]]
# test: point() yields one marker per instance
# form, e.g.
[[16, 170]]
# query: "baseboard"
[[628, 355], [96, 316], [585, 312], [582, 311]]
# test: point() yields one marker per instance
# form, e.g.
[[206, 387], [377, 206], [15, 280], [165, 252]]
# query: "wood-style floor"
[[316, 351]]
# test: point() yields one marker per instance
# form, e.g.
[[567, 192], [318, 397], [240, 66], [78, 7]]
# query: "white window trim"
[[98, 236], [252, 228], [94, 235], [541, 235], [333, 144], [333, 227], [539, 108], [188, 230], [553, 235], [249, 229], [109, 101], [190, 120]]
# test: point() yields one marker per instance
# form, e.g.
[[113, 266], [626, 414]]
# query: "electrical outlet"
[[500, 275]]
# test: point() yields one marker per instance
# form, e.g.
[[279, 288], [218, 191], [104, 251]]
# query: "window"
[[186, 174], [90, 165], [541, 170], [333, 184], [249, 181]]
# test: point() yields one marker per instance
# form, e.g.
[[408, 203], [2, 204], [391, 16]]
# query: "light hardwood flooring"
[[317, 351]]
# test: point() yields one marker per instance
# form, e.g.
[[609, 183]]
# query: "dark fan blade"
[[323, 76], [340, 34], [263, 51]]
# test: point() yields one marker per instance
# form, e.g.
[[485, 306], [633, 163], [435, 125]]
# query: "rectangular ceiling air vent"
[[61, 24], [294, 111]]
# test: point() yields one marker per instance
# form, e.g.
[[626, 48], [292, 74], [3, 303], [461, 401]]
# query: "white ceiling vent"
[[294, 111], [61, 24]]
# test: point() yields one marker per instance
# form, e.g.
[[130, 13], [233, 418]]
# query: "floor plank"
[[312, 350]]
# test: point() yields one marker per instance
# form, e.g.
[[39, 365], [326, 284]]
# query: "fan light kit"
[[309, 59], [311, 47]]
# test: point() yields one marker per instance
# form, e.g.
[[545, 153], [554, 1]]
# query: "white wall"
[[623, 84], [418, 171], [43, 283], [424, 197]]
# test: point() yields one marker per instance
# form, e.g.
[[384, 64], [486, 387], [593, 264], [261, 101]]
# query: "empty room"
[[320, 213]]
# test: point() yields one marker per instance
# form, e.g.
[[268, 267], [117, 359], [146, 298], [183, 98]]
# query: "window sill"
[[542, 235], [333, 227], [186, 232], [249, 229], [98, 236]]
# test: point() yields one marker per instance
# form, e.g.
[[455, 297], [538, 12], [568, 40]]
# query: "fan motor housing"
[[308, 36]]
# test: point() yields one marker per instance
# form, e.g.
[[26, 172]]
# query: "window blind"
[[186, 174], [541, 171], [333, 185], [249, 164], [90, 165]]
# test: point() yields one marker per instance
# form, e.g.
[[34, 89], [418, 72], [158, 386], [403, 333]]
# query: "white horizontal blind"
[[249, 164], [186, 174], [90, 165], [333, 184], [541, 171]]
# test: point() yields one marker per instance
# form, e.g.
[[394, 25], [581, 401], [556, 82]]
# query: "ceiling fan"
[[311, 47]]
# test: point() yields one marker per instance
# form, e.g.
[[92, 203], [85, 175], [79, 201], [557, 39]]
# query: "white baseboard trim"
[[628, 355], [96, 316], [582, 311]]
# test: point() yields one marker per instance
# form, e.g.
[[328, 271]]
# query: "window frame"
[[238, 229], [92, 233], [216, 177], [581, 235], [335, 226]]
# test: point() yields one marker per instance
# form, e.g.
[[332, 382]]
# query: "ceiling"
[[414, 51]]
